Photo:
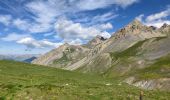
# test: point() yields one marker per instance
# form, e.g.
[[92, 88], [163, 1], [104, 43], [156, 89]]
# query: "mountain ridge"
[[135, 46]]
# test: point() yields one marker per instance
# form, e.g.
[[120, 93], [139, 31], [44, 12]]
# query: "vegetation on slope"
[[160, 69], [21, 81], [121, 59], [127, 59], [132, 51], [63, 60]]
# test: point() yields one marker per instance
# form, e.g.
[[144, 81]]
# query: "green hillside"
[[160, 69], [21, 81]]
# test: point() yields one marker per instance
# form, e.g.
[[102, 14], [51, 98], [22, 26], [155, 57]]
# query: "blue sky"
[[37, 26]]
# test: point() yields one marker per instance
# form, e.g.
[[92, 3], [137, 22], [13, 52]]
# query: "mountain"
[[165, 29], [137, 53], [96, 41], [21, 58], [29, 60], [63, 56]]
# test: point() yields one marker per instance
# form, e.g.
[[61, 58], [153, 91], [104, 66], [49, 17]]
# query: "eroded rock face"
[[63, 56], [136, 28], [152, 84], [96, 41], [165, 29]]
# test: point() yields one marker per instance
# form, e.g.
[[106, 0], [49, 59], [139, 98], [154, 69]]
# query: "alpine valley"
[[134, 63], [136, 54]]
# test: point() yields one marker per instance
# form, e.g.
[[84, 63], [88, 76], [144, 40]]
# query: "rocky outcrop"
[[63, 56], [152, 84], [165, 29], [96, 41]]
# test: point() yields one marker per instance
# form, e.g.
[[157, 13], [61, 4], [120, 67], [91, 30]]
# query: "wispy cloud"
[[5, 19], [105, 17], [96, 4], [46, 16], [69, 30], [97, 19], [158, 16], [14, 37], [104, 27], [45, 12], [156, 19], [33, 43]]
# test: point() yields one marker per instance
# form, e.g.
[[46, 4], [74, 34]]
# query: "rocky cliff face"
[[63, 56], [96, 41], [136, 51], [165, 29]]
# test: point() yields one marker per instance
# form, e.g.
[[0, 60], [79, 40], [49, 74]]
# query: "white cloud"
[[157, 23], [158, 16], [49, 34], [46, 12], [140, 17], [5, 19], [46, 43], [38, 28], [32, 43], [105, 34], [13, 37], [96, 4], [100, 18], [157, 19], [74, 42], [21, 24], [124, 3], [104, 17], [67, 30], [32, 27], [106, 26]]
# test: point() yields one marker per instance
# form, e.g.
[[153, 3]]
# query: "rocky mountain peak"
[[136, 28], [164, 25], [165, 29], [95, 41], [136, 23], [65, 44], [98, 37], [152, 27]]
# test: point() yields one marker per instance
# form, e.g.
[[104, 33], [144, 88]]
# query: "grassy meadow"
[[22, 81]]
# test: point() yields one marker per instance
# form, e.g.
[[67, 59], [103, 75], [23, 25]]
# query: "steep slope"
[[96, 41], [67, 55], [129, 35], [138, 62], [130, 50], [22, 81], [165, 29], [95, 56], [63, 56], [120, 41]]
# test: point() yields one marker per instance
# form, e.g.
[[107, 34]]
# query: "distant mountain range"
[[139, 54], [23, 58]]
